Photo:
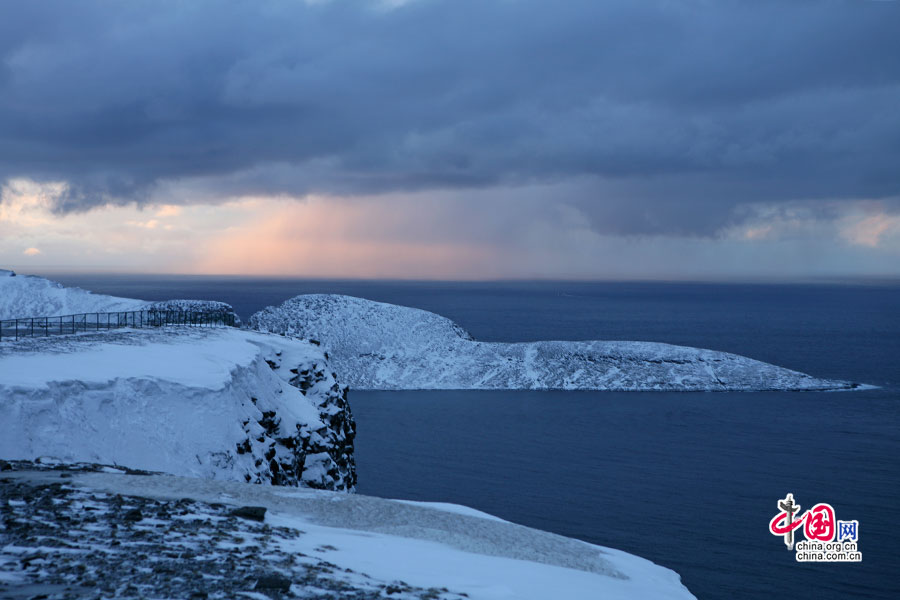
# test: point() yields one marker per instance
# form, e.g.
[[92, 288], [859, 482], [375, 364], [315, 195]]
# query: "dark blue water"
[[688, 480]]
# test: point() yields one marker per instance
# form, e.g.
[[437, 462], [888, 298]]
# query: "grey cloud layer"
[[657, 111]]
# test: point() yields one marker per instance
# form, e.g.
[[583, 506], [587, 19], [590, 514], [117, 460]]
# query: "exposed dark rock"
[[133, 515], [254, 513], [273, 581]]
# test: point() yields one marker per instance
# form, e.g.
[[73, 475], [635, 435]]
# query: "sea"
[[689, 481]]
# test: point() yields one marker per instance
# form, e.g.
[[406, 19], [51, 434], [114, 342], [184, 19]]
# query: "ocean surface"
[[687, 480]]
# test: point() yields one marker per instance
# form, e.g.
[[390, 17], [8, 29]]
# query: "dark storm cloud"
[[667, 114]]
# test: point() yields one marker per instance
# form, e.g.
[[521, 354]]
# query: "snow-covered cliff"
[[23, 296], [215, 403], [373, 345]]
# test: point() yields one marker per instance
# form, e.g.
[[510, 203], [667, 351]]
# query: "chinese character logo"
[[784, 523], [848, 531], [827, 539], [818, 522]]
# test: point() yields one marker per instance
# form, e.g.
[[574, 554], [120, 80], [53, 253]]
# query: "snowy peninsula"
[[381, 346]]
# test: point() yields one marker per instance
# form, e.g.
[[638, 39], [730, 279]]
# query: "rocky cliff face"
[[317, 454]]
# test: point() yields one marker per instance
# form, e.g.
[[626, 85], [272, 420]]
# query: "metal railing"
[[16, 329]]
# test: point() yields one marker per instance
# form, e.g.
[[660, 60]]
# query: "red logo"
[[818, 522]]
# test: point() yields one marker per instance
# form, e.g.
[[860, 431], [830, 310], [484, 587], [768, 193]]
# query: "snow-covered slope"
[[29, 296], [217, 403], [382, 346], [23, 296], [157, 536]]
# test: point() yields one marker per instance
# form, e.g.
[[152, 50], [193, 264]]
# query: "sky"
[[452, 139]]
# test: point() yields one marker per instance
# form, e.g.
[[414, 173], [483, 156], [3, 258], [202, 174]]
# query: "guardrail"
[[16, 329]]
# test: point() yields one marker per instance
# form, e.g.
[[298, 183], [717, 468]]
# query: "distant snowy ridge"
[[23, 296], [214, 403], [374, 345]]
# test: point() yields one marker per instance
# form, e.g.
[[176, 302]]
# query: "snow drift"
[[212, 403], [374, 345]]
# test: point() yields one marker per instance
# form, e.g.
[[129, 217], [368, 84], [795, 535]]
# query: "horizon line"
[[761, 279]]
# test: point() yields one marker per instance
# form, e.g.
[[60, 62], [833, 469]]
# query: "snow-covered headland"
[[374, 345]]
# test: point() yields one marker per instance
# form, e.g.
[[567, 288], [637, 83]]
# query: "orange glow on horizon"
[[318, 238]]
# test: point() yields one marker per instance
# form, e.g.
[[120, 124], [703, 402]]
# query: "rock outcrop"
[[317, 454]]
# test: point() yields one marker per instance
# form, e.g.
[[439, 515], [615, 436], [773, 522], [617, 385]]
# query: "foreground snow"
[[383, 346], [220, 403], [312, 544]]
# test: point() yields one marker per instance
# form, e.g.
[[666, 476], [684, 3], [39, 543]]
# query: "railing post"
[[17, 330]]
